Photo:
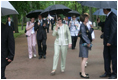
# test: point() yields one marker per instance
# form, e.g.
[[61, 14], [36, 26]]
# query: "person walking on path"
[[40, 27], [74, 24], [7, 48], [31, 38], [62, 42]]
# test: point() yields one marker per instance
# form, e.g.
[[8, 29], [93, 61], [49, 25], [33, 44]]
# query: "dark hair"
[[66, 16], [58, 16], [73, 15], [108, 9], [82, 17], [8, 16], [59, 19]]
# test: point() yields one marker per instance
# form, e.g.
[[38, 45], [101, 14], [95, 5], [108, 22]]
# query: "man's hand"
[[44, 24], [108, 44], [13, 31], [9, 60], [69, 45], [38, 23]]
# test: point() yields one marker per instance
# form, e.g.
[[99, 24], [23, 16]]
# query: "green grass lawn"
[[20, 32]]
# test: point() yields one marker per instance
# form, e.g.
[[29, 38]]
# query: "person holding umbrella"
[[40, 27], [110, 43], [74, 26], [62, 42], [7, 38], [31, 37], [66, 21]]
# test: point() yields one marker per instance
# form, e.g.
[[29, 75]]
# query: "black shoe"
[[113, 77], [53, 73], [44, 56], [73, 48], [105, 75], [84, 76], [81, 73], [40, 57]]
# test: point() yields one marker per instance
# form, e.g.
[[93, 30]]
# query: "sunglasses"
[[74, 17]]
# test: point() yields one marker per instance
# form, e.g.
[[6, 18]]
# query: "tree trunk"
[[82, 9], [75, 6], [23, 20], [90, 13], [15, 19]]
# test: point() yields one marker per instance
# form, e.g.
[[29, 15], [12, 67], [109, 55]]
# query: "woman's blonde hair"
[[87, 14]]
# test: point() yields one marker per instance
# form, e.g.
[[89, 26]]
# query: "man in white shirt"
[[10, 24]]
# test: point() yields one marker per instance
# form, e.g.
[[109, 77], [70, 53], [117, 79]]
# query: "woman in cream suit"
[[62, 42], [31, 38]]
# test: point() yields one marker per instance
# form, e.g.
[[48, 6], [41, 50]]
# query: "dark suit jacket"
[[41, 32], [85, 34], [110, 29], [7, 44], [65, 22], [52, 21], [12, 25]]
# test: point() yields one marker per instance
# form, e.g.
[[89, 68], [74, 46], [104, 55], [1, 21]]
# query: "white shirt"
[[74, 29], [32, 29], [108, 14], [40, 21], [9, 23], [88, 25]]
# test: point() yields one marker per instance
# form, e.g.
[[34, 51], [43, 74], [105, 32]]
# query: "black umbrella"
[[70, 13], [99, 4], [34, 13], [55, 9]]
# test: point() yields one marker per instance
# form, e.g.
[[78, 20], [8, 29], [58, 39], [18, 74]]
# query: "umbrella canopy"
[[99, 4], [34, 13], [7, 8], [55, 9], [100, 12], [70, 13]]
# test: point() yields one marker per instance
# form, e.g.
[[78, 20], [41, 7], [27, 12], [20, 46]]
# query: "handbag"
[[25, 28]]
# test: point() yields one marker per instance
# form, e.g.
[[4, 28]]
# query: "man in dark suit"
[[40, 27], [10, 24], [48, 24], [7, 48], [110, 43], [52, 23], [66, 21]]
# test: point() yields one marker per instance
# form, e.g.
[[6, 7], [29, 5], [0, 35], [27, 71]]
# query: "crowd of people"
[[67, 32]]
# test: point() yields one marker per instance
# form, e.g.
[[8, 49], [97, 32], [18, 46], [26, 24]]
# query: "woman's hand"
[[88, 45], [69, 46], [91, 26]]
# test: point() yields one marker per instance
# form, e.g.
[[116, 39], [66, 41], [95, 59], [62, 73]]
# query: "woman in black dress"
[[85, 43]]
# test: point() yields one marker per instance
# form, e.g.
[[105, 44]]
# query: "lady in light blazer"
[[85, 43], [62, 42], [31, 38]]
